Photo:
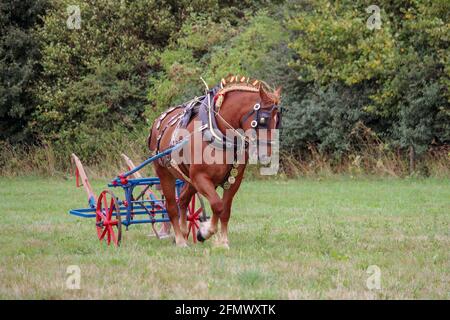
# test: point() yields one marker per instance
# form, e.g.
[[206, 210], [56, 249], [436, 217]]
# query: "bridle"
[[209, 113], [262, 118]]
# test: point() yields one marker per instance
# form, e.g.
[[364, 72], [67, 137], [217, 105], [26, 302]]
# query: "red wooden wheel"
[[108, 221], [195, 212]]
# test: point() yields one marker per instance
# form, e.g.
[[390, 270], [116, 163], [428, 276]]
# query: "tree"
[[19, 65], [96, 78], [212, 50], [405, 62]]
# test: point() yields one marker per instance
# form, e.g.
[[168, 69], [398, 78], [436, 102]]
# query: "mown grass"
[[291, 239]]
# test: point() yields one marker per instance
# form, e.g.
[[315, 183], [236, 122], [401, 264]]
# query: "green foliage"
[[96, 76], [324, 117], [19, 56], [81, 90], [421, 118], [181, 62], [333, 43], [405, 63], [212, 50], [100, 77]]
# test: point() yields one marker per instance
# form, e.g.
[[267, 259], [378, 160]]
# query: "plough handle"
[[81, 179], [137, 175], [131, 165], [150, 160]]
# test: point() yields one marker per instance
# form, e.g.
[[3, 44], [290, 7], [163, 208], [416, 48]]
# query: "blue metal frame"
[[150, 160], [136, 207]]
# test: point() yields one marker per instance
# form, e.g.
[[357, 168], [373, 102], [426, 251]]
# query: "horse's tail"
[[149, 138], [151, 146]]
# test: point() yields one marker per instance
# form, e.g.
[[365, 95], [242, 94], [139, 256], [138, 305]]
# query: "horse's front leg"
[[228, 196], [206, 188]]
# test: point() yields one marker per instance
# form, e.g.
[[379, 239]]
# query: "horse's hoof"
[[200, 237], [221, 245], [182, 245]]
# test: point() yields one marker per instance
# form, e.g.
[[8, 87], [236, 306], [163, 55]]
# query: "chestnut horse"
[[236, 103]]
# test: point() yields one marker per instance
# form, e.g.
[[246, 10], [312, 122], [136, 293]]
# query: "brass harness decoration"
[[229, 84]]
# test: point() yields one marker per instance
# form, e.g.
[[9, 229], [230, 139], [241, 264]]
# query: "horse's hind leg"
[[206, 188], [168, 186], [186, 195]]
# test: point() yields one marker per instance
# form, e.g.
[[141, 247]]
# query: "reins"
[[209, 114], [257, 110]]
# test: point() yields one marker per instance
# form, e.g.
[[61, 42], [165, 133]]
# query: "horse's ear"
[[278, 91], [265, 97]]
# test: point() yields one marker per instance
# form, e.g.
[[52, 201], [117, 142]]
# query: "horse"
[[237, 104]]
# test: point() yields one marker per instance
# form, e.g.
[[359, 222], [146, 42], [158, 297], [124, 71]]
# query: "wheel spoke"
[[106, 208], [109, 234], [113, 236], [111, 208], [194, 233], [103, 234], [105, 204]]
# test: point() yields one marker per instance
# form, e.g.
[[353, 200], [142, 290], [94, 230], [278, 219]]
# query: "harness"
[[208, 109], [207, 115], [262, 117]]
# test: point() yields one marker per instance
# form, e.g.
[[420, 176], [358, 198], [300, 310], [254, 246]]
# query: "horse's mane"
[[242, 83], [232, 80]]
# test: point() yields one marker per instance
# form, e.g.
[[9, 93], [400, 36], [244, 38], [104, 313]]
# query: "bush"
[[325, 117], [19, 66], [94, 89], [404, 64]]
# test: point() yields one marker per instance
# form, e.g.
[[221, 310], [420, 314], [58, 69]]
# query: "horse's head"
[[264, 117]]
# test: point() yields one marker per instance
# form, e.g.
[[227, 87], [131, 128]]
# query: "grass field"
[[295, 239]]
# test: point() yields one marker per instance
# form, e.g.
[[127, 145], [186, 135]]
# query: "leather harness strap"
[[174, 164], [207, 114]]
